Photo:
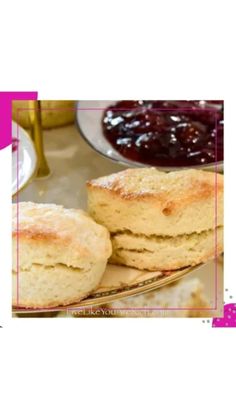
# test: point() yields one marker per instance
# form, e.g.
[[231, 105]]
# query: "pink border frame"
[[133, 308], [6, 99]]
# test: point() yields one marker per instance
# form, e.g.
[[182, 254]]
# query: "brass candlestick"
[[37, 136]]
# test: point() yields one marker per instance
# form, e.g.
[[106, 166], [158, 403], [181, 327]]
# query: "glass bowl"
[[89, 115]]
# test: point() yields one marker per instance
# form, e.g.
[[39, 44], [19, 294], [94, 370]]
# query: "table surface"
[[72, 163]]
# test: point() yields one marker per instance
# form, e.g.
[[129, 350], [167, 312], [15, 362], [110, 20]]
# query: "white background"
[[118, 367]]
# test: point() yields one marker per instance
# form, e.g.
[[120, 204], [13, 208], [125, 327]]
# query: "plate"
[[89, 121], [24, 159], [120, 282]]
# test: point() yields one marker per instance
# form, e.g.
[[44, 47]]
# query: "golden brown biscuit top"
[[55, 224], [179, 186]]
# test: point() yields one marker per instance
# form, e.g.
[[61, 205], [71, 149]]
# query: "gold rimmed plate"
[[119, 282]]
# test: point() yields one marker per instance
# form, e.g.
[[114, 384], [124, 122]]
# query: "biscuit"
[[55, 113], [165, 253], [185, 298], [59, 255], [159, 220], [148, 201]]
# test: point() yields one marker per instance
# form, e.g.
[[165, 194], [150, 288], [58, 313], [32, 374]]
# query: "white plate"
[[24, 159], [89, 120]]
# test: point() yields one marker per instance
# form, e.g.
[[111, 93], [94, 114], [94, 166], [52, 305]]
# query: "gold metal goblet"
[[37, 137]]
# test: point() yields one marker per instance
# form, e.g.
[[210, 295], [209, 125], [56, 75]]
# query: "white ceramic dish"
[[24, 159], [89, 120]]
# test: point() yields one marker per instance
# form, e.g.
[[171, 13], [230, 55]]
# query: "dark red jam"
[[166, 133], [15, 142]]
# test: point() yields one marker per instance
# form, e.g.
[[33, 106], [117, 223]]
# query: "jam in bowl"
[[166, 133]]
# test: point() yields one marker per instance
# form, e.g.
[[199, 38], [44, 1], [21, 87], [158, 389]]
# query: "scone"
[[185, 298], [59, 255], [55, 113], [159, 220]]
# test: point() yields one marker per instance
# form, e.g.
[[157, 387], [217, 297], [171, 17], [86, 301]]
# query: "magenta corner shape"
[[6, 99], [229, 319]]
